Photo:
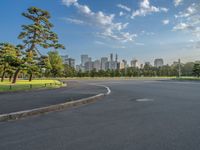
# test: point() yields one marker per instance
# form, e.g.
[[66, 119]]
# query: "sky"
[[134, 29]]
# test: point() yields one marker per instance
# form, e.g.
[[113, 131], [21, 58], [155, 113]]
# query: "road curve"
[[137, 115], [20, 101]]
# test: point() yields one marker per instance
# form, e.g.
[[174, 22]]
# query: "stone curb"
[[51, 108]]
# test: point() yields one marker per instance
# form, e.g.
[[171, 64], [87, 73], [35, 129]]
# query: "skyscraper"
[[135, 63], [158, 62], [97, 65], [111, 57], [104, 60], [84, 59]]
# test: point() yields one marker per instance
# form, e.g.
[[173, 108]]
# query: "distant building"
[[104, 60], [135, 63], [89, 65], [64, 58], [84, 59], [158, 62], [147, 63], [97, 65], [111, 57], [123, 64], [71, 62], [68, 61]]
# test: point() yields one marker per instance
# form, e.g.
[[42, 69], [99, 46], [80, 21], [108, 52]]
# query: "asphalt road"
[[19, 101], [137, 115]]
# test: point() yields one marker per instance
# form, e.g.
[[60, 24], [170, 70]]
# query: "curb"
[[52, 108]]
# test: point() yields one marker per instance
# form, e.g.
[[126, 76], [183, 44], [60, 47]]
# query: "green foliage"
[[39, 32], [10, 57], [56, 62], [196, 70]]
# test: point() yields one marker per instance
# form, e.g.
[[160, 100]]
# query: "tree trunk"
[[30, 77], [3, 75], [16, 75], [10, 77]]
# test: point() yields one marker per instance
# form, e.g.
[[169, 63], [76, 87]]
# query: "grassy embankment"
[[26, 85]]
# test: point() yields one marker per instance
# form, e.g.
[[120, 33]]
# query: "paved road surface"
[[137, 115], [19, 101]]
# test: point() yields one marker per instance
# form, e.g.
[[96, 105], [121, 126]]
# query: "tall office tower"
[[111, 57], [104, 60], [158, 62], [97, 65], [116, 58], [84, 59], [64, 58], [70, 62], [123, 64], [89, 66], [135, 63]]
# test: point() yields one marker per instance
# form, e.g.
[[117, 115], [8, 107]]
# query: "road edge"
[[52, 108]]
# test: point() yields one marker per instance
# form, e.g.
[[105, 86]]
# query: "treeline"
[[187, 69]]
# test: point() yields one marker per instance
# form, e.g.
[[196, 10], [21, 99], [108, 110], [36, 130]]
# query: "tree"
[[37, 34], [9, 58], [196, 70], [56, 63]]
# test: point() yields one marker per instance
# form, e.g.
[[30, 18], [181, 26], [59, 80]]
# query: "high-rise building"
[[84, 59], [116, 58], [135, 63], [70, 62], [89, 66], [97, 65], [64, 58], [158, 62], [123, 64], [104, 60], [147, 63], [111, 57]]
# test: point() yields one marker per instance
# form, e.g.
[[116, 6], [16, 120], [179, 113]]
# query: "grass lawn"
[[188, 78], [26, 85]]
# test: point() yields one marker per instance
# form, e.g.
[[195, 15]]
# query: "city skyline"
[[141, 29], [112, 62]]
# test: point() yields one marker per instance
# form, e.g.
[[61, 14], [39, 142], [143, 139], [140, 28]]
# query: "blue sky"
[[141, 29]]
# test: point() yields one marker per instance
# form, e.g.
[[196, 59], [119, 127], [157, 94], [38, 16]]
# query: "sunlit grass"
[[26, 85]]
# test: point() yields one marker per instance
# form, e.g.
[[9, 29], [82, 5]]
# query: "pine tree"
[[37, 34]]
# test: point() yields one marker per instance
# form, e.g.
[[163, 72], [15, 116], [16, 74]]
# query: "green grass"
[[188, 79], [26, 85]]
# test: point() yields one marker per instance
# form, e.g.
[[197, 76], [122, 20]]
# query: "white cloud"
[[69, 2], [75, 21], [189, 20], [147, 33], [181, 26], [110, 29], [121, 13], [177, 2], [146, 8], [165, 22], [124, 7], [139, 44]]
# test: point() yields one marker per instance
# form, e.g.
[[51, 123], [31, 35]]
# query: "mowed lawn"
[[26, 85]]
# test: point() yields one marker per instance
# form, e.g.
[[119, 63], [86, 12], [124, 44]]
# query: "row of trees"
[[26, 58], [188, 69]]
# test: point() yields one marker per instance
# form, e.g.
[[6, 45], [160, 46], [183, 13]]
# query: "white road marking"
[[144, 100], [107, 88]]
